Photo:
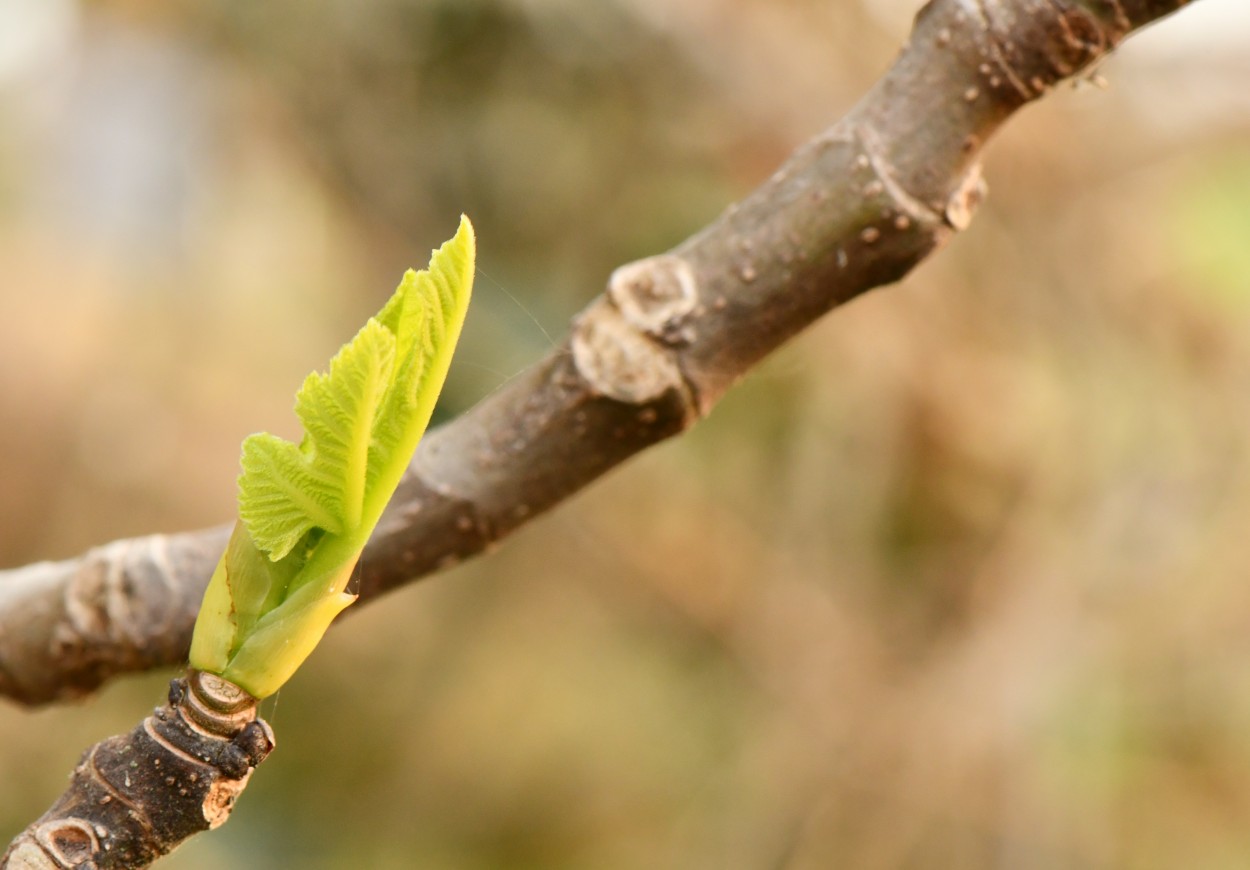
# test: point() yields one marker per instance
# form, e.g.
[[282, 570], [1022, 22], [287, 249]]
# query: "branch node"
[[963, 203], [622, 343], [619, 361], [655, 295], [886, 185]]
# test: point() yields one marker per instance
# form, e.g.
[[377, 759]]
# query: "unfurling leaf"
[[307, 510], [286, 490]]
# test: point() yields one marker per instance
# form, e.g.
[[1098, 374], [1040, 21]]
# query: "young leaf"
[[307, 510], [286, 490], [425, 314]]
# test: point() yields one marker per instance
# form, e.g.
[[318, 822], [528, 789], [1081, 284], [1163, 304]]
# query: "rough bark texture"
[[857, 207], [136, 796]]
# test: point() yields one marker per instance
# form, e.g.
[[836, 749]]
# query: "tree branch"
[[853, 209], [137, 796]]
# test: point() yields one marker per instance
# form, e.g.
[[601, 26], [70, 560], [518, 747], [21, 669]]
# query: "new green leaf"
[[306, 510], [286, 489]]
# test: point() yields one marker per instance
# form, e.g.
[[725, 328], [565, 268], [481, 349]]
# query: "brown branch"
[[137, 796], [856, 208]]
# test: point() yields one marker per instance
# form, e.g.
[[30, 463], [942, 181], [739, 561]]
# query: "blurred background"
[[957, 579]]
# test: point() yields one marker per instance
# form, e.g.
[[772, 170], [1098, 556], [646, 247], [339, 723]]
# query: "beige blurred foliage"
[[956, 580]]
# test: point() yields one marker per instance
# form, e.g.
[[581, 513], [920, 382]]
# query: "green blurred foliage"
[[955, 580], [1212, 225]]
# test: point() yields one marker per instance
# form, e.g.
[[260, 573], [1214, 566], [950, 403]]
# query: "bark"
[[136, 796], [853, 209]]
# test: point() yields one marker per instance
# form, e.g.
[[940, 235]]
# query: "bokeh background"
[[957, 579]]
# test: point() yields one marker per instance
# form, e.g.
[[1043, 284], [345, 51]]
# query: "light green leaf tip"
[[307, 510]]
